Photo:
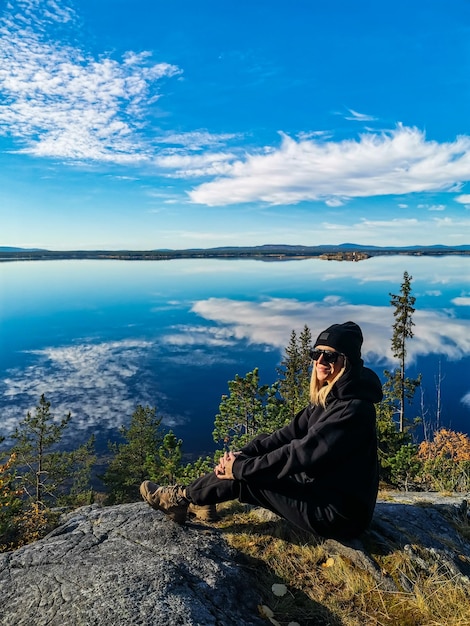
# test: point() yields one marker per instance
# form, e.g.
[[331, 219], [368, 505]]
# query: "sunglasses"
[[329, 356]]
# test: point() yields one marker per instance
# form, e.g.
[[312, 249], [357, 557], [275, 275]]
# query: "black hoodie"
[[334, 450]]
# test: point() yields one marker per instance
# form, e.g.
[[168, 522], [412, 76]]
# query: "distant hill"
[[266, 252], [297, 251], [276, 248], [8, 249]]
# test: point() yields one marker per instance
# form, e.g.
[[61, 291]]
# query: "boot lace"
[[174, 495]]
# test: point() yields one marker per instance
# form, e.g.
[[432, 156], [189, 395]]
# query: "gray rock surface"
[[426, 526], [125, 565], [129, 565]]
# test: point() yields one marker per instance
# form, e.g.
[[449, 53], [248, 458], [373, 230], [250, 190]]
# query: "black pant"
[[296, 501]]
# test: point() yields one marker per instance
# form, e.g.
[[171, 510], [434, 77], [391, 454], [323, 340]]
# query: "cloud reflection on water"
[[271, 321], [91, 380], [98, 382]]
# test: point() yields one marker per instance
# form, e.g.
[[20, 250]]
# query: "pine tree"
[[401, 388], [394, 436], [295, 371], [10, 502], [389, 439], [46, 474], [248, 409], [36, 438], [305, 373], [189, 472], [71, 473], [137, 458], [170, 459]]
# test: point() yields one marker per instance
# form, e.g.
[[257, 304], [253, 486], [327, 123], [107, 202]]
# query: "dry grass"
[[332, 591]]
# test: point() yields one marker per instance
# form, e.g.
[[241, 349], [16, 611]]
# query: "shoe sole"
[[146, 494]]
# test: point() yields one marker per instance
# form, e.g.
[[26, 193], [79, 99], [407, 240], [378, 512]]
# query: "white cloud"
[[461, 301], [196, 140], [95, 379], [397, 232], [397, 223], [398, 162], [181, 165], [60, 101], [47, 10], [463, 199], [333, 202], [99, 382], [310, 134], [432, 207], [270, 322], [199, 336], [354, 116]]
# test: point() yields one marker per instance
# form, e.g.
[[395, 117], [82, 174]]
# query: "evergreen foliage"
[[295, 372], [247, 410], [137, 458], [10, 502], [189, 472], [44, 473], [404, 467], [394, 432], [402, 389], [146, 453], [72, 471], [389, 440], [170, 458], [35, 436], [38, 474]]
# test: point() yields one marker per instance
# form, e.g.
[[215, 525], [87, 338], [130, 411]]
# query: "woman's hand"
[[224, 469]]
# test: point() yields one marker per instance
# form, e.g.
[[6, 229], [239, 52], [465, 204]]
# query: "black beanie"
[[345, 338]]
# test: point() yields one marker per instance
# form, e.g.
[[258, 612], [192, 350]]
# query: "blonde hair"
[[319, 391]]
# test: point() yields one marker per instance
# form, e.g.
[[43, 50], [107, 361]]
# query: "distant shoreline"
[[344, 252]]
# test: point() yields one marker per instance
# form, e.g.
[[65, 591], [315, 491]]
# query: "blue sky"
[[142, 124]]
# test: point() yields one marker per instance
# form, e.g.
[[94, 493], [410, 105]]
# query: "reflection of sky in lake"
[[99, 337]]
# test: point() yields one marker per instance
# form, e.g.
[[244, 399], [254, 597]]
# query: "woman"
[[320, 472]]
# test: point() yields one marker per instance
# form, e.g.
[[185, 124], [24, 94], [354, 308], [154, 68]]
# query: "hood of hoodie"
[[361, 383]]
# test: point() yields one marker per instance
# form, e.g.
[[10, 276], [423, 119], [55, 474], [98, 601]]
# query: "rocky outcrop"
[[128, 565], [432, 529], [125, 565]]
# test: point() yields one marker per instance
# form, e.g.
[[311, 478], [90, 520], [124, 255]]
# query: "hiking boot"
[[206, 512], [170, 500]]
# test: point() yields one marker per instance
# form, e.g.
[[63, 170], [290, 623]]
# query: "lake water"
[[99, 337]]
